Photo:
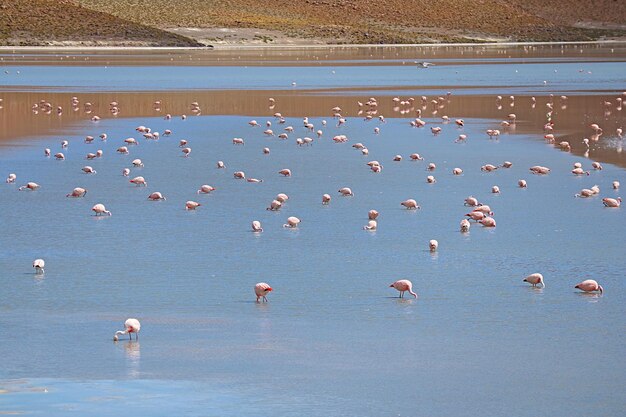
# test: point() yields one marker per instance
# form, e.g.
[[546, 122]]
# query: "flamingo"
[[29, 186], [403, 285], [139, 181], [46, 152], [99, 209], [220, 165], [471, 201], [535, 279], [11, 178], [410, 204], [292, 222], [540, 170], [137, 163], [416, 157], [282, 197], [507, 164], [476, 215], [488, 222], [39, 264], [275, 205], [126, 172], [433, 245], [77, 192], [615, 185], [122, 150], [130, 326], [266, 151], [285, 172], [495, 189], [465, 225], [238, 141], [596, 165], [371, 225], [579, 171], [88, 170], [240, 175], [155, 196], [372, 214], [430, 179], [345, 191], [256, 226], [59, 156], [261, 290], [612, 202], [522, 183], [186, 151], [590, 285], [488, 168], [326, 199], [205, 189], [457, 171], [191, 205]]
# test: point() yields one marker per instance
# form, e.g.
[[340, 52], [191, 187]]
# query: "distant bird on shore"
[[130, 326], [423, 64]]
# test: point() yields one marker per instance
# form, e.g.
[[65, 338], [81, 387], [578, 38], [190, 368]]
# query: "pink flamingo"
[[590, 285], [191, 205], [205, 189], [130, 326], [410, 204], [292, 222], [77, 192], [285, 172], [155, 196], [39, 264], [88, 170], [371, 225], [139, 181], [612, 202], [488, 222], [326, 199], [465, 225], [535, 279], [32, 186], [403, 285], [345, 191], [99, 209], [256, 226], [11, 178], [433, 245], [372, 214], [261, 290]]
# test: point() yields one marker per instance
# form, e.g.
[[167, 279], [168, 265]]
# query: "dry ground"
[[63, 22], [381, 21], [141, 22]]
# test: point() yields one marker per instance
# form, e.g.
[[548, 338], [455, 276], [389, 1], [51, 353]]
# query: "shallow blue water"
[[333, 340], [482, 78]]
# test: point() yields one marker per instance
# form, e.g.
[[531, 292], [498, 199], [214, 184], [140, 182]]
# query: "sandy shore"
[[297, 46]]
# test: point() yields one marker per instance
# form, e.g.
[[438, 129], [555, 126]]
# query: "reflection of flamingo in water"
[[131, 326]]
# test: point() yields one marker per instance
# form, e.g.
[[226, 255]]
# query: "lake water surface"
[[334, 339]]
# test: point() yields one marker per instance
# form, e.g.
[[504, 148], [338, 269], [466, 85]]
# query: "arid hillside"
[[62, 22], [382, 21]]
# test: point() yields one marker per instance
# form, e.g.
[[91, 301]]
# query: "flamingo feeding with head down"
[[403, 285], [261, 290], [39, 264], [130, 326], [535, 279], [590, 285]]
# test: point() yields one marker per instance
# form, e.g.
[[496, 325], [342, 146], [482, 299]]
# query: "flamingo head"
[[269, 289], [115, 338]]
